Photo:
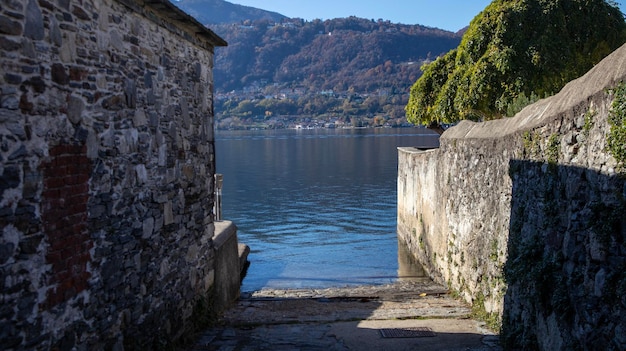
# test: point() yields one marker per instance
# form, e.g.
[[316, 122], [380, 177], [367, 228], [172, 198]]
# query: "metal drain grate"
[[415, 332]]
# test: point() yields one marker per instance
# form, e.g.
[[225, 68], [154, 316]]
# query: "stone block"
[[11, 178], [34, 27], [75, 108], [168, 214], [9, 26]]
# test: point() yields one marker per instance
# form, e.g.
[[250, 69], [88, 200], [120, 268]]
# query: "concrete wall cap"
[[224, 231], [604, 75]]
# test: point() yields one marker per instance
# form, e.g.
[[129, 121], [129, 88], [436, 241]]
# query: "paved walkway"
[[355, 318]]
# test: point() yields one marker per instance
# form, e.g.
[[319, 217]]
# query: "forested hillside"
[[343, 71]]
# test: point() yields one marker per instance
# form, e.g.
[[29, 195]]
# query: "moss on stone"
[[492, 319], [493, 253]]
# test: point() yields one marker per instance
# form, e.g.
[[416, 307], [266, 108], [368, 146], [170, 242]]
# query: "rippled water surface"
[[316, 207]]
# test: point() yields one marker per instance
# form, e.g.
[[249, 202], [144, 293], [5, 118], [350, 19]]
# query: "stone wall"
[[107, 165], [524, 217]]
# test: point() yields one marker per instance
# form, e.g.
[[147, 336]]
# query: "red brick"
[[53, 163], [58, 246], [77, 207], [62, 158], [69, 248], [60, 271], [58, 171], [62, 149], [83, 181], [68, 180], [65, 246], [51, 193], [77, 270], [79, 203], [64, 285], [71, 239], [75, 189], [49, 212], [75, 221], [54, 182], [71, 263], [64, 207], [55, 202], [71, 168], [84, 187], [66, 149], [85, 256], [56, 238], [56, 151], [77, 159], [53, 257], [63, 222], [83, 283], [85, 247], [84, 177], [59, 207]]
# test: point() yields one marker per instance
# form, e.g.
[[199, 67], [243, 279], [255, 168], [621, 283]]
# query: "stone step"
[[401, 300]]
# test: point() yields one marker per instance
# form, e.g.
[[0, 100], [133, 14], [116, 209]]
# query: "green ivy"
[[553, 149], [589, 121], [616, 140], [530, 141]]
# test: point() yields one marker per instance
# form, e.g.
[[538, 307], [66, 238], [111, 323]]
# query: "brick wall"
[[64, 216], [106, 165]]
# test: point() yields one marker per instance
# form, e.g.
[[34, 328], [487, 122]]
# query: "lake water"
[[317, 207]]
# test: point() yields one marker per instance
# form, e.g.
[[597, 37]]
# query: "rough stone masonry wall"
[[524, 218], [107, 165]]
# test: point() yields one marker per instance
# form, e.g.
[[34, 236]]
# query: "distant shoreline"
[[251, 127]]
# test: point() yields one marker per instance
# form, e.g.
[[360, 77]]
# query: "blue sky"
[[451, 15]]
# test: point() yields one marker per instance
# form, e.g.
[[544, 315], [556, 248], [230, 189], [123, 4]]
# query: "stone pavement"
[[352, 318]]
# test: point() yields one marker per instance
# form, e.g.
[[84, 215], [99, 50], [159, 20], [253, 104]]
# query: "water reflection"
[[409, 269]]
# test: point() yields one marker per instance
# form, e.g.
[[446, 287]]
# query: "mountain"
[[336, 54], [218, 11], [282, 72]]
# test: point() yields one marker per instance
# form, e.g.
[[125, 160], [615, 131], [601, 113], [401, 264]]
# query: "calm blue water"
[[316, 207]]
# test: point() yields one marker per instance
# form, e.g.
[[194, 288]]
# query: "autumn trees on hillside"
[[340, 67]]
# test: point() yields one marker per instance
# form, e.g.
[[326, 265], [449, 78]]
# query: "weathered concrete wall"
[[107, 164], [524, 217], [227, 269]]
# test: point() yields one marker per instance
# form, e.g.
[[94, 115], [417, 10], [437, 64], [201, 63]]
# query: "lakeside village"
[[303, 123], [345, 110]]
